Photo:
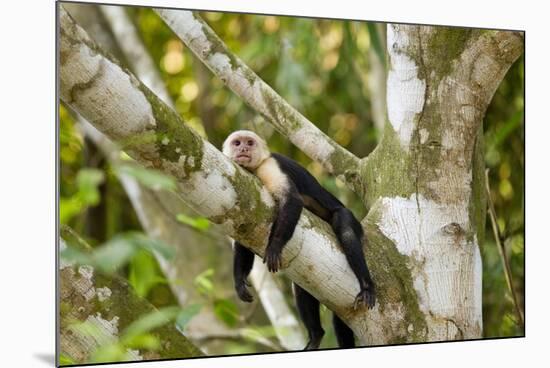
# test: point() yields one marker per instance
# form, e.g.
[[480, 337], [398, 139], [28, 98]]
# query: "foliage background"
[[322, 68]]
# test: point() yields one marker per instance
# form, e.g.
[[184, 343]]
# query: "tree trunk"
[[425, 179]]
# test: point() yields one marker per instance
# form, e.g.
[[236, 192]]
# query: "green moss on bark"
[[127, 306], [392, 275], [249, 205], [425, 148], [172, 137], [122, 305], [478, 200], [387, 170], [281, 114], [444, 46]]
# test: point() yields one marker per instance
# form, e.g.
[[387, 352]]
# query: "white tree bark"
[[127, 38], [286, 325]]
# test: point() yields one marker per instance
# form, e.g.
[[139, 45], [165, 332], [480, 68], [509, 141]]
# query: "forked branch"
[[211, 50]]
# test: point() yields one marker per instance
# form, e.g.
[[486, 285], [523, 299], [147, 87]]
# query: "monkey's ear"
[[265, 150], [226, 147]]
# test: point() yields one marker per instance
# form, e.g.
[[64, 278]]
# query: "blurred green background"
[[322, 68]]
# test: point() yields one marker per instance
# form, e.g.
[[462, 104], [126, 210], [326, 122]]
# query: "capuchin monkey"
[[293, 188]]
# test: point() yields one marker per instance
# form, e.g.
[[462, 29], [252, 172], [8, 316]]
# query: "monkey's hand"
[[273, 258], [366, 297], [242, 291]]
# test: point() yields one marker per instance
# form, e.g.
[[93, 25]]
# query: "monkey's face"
[[246, 148]]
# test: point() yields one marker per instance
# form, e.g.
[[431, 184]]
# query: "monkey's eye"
[[250, 142], [237, 143]]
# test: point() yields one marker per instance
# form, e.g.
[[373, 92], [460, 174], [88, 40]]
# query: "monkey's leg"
[[308, 307], [243, 260], [344, 334], [349, 232], [283, 228]]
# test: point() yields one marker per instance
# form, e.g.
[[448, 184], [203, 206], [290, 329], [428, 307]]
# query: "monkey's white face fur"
[[246, 148]]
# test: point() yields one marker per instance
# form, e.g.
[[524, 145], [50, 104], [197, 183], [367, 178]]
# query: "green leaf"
[[117, 252], [72, 238], [226, 311], [203, 283], [73, 255], [150, 178], [113, 254], [143, 241], [253, 334], [186, 315], [87, 193], [199, 223], [68, 208], [88, 180], [206, 273], [204, 286], [149, 322], [143, 341], [65, 360], [143, 273], [91, 330]]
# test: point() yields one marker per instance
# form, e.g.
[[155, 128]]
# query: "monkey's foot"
[[273, 259], [366, 297], [314, 343], [242, 291]]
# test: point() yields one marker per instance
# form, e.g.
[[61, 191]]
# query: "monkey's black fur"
[[305, 191]]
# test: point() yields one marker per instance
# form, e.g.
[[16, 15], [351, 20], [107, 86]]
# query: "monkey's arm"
[[288, 214], [243, 260]]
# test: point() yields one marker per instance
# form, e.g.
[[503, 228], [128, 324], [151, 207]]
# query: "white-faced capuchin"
[[293, 188]]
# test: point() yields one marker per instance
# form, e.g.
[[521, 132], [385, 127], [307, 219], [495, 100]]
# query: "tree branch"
[[121, 107], [127, 38], [211, 50], [240, 335], [108, 305], [287, 328], [487, 59], [502, 251]]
